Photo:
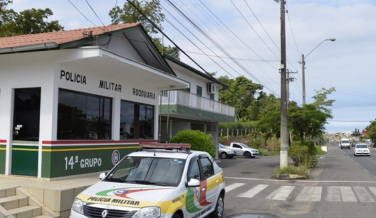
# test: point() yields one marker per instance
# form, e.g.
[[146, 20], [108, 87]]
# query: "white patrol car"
[[158, 180]]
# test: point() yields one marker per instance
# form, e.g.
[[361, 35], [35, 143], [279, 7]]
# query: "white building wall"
[[120, 45]]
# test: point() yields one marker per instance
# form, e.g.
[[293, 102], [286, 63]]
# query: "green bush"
[[199, 141], [298, 153]]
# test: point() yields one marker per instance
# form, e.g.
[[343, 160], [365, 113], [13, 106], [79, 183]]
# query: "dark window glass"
[[199, 91], [194, 171], [26, 114], [207, 167], [83, 116], [136, 121]]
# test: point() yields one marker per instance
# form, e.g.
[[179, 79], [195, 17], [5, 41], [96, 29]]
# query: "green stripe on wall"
[[2, 158], [24, 160]]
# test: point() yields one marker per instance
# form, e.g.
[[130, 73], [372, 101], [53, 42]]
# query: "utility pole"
[[303, 79], [284, 132]]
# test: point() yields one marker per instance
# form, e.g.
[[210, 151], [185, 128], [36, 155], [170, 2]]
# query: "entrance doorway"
[[26, 121]]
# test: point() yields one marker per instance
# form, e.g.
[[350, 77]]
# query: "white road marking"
[[362, 194], [347, 194], [233, 186], [254, 191], [333, 194], [310, 194], [281, 193], [373, 190]]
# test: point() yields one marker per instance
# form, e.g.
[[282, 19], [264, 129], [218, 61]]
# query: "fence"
[[228, 132]]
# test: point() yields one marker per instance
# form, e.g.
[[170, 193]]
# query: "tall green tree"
[[26, 22], [240, 94], [371, 131], [150, 8]]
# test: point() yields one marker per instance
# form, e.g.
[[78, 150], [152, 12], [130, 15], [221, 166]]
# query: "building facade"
[[75, 102]]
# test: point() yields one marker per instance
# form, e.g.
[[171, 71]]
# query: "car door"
[[193, 207], [209, 184], [238, 148]]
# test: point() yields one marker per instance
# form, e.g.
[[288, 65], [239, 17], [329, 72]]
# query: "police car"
[[158, 180]]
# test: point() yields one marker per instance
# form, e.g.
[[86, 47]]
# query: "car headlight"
[[77, 206], [145, 212]]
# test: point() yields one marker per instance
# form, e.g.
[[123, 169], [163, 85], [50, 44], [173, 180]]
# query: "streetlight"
[[303, 67]]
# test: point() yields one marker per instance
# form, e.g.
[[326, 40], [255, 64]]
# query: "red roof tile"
[[60, 37]]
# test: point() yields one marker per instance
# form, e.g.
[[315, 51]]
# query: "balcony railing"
[[194, 101]]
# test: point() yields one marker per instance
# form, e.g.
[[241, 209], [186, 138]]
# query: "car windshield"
[[148, 170], [244, 145], [221, 146], [361, 146], [345, 141]]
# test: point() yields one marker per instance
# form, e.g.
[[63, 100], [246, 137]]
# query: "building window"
[[26, 114], [197, 126], [136, 121], [199, 91], [83, 116]]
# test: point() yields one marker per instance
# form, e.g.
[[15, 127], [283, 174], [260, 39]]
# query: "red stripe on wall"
[[94, 142], [3, 141]]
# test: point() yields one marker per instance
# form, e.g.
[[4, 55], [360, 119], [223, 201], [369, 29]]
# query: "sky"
[[242, 38]]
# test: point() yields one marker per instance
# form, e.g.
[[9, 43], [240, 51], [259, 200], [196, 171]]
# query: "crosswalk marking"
[[310, 194], [254, 191], [281, 193], [373, 190], [363, 194], [233, 186], [347, 194], [334, 194]]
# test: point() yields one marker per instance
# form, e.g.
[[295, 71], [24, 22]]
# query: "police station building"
[[75, 102]]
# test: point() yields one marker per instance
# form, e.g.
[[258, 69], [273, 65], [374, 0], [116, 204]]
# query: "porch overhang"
[[104, 61]]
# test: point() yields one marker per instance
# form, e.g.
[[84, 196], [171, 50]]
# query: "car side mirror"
[[102, 175], [193, 183]]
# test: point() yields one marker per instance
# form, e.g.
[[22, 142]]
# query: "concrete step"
[[26, 212], [14, 201], [43, 216], [7, 192]]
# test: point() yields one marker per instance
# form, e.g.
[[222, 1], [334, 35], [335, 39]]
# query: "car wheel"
[[223, 155], [247, 154], [176, 215], [219, 207]]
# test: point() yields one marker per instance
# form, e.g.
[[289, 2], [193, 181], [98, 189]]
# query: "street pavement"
[[337, 188]]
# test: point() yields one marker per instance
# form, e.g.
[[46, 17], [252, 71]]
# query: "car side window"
[[194, 171], [236, 146], [207, 167]]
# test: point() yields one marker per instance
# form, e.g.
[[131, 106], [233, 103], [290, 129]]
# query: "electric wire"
[[241, 59], [216, 44], [239, 47], [82, 14], [254, 30], [97, 15]]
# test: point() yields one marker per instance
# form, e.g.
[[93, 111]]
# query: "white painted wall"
[[120, 45]]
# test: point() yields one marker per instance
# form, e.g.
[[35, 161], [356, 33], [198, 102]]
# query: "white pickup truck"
[[243, 149]]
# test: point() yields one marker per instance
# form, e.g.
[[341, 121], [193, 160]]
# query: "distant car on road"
[[243, 149], [361, 149], [344, 143], [225, 152]]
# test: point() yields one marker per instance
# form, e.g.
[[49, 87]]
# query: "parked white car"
[[159, 180], [225, 152], [243, 149], [361, 149]]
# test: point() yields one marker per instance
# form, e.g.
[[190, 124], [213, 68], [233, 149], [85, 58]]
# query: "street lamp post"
[[303, 68]]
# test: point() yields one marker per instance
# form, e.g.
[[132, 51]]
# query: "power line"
[[97, 16], [82, 14], [215, 43], [242, 59]]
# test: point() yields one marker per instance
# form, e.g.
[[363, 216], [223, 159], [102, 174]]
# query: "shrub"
[[298, 154], [199, 141]]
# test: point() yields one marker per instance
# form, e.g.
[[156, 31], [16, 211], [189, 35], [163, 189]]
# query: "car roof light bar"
[[179, 146]]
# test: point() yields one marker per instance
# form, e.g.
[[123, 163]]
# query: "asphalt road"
[[338, 188]]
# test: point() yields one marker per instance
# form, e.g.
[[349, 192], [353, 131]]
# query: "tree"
[[240, 94], [371, 131], [153, 10], [26, 22]]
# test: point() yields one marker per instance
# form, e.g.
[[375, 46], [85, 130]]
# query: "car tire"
[[219, 208], [223, 155], [247, 154], [176, 215]]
